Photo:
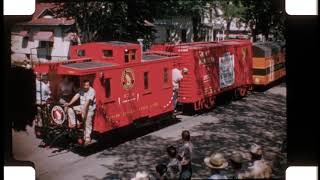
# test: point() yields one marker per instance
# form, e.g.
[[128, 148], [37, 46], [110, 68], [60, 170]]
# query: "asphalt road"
[[259, 118]]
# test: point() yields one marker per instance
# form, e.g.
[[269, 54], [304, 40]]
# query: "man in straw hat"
[[141, 176], [216, 162]]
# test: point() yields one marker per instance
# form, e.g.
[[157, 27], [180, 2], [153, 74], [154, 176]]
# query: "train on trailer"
[[132, 85]]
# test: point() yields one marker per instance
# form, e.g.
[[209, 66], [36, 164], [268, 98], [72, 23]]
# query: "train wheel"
[[240, 92], [243, 91], [209, 103]]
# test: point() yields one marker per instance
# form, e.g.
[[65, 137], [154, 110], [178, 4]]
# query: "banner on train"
[[226, 70]]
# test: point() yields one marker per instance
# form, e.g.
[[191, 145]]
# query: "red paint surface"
[[202, 80], [124, 106]]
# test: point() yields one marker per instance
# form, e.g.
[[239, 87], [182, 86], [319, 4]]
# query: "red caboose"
[[214, 67], [129, 85]]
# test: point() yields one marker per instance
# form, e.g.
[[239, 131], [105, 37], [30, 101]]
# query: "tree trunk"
[[253, 33], [266, 35], [228, 29], [196, 28], [132, 19]]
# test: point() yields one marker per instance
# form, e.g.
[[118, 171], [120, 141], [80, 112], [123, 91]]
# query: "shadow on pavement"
[[257, 119]]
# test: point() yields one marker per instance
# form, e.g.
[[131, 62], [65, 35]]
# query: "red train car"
[[214, 68], [129, 85]]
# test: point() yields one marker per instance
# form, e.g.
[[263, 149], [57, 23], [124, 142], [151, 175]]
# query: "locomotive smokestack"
[[141, 44]]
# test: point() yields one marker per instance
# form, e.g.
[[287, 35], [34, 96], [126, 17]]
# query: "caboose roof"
[[114, 43], [152, 57], [88, 65], [82, 68]]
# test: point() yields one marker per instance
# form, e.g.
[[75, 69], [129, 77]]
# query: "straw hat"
[[236, 157], [141, 176], [256, 149], [216, 161]]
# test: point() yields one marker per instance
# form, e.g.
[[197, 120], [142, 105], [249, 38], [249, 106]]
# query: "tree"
[[264, 17], [182, 8], [231, 9], [93, 19], [109, 20]]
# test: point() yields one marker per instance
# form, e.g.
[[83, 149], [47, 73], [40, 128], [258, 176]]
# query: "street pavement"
[[258, 118]]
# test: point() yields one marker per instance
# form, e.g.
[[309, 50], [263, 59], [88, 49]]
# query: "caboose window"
[[107, 53], [146, 80], [129, 55], [107, 87], [133, 54], [165, 75], [126, 56], [81, 52]]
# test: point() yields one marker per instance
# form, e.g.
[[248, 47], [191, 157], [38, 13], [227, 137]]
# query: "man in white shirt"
[[176, 78], [43, 90], [87, 107], [42, 95]]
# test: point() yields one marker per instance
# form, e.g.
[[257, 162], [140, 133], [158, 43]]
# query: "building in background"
[[177, 29], [212, 27], [44, 38]]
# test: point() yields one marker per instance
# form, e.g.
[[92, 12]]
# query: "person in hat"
[[174, 165], [216, 162], [161, 172], [236, 162]]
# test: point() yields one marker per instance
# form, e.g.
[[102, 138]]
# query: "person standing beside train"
[[87, 107], [42, 90], [43, 93], [176, 78]]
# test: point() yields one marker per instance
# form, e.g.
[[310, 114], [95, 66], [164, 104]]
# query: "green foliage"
[[231, 9], [265, 17], [109, 20], [124, 19]]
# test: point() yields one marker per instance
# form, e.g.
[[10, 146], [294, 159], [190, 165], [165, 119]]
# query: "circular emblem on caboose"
[[127, 78], [58, 115]]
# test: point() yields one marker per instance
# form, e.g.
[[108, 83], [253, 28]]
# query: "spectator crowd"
[[179, 165]]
